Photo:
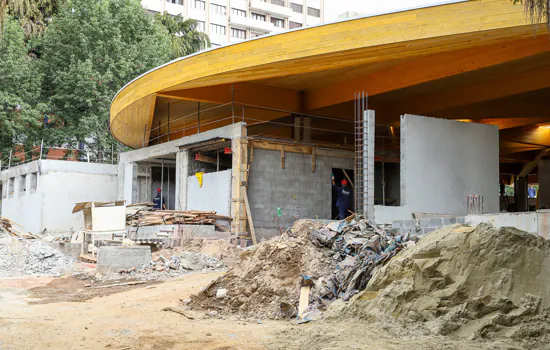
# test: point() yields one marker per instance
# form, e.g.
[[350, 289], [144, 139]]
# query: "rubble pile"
[[31, 257], [337, 260], [473, 283], [166, 264]]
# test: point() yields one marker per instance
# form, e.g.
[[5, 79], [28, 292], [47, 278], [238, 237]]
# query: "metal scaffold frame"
[[364, 156]]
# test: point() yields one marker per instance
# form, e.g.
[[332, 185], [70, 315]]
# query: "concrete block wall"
[[270, 187], [421, 227]]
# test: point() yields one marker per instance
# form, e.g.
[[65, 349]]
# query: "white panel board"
[[215, 193]]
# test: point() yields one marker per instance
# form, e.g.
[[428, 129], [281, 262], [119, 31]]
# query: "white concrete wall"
[[60, 184], [215, 193], [442, 161]]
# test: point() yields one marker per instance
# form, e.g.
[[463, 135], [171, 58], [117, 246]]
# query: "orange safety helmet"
[[344, 182]]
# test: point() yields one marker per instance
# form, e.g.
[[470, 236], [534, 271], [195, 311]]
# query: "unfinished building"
[[254, 130]]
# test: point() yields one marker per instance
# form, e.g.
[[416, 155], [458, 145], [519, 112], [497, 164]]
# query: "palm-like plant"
[[185, 36], [536, 10]]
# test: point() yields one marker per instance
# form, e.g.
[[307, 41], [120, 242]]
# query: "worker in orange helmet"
[[343, 201]]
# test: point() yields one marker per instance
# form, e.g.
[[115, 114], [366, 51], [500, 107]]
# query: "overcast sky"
[[333, 8]]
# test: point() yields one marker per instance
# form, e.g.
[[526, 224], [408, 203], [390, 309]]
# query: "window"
[[11, 185], [199, 4], [177, 2], [33, 182], [278, 2], [238, 33], [258, 17], [201, 26], [314, 12], [218, 9], [296, 7], [238, 12], [277, 22], [22, 185], [293, 25], [217, 29]]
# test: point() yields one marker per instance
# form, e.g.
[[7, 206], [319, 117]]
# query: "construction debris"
[[31, 257], [302, 261], [144, 215], [9, 228]]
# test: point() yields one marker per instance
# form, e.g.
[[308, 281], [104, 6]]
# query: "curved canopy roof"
[[437, 61]]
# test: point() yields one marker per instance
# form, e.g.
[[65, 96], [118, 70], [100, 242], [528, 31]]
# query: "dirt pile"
[[337, 259], [463, 282], [31, 257]]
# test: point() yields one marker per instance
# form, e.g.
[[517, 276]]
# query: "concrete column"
[[297, 128], [544, 184], [307, 129], [369, 127], [127, 182], [182, 175], [520, 194]]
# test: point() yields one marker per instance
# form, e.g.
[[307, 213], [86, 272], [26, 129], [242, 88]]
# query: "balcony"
[[272, 7], [254, 24]]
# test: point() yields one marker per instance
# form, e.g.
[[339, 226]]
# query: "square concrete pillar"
[[182, 175], [520, 194]]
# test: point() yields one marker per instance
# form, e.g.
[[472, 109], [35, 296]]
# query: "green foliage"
[[185, 37], [33, 15], [91, 50], [20, 80]]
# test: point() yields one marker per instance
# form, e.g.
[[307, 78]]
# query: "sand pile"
[[464, 282], [337, 260]]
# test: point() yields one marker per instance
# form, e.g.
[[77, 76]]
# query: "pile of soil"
[[463, 282], [266, 282]]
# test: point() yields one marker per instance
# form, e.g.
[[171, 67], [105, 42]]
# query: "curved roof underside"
[[406, 56]]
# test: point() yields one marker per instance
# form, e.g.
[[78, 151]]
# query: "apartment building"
[[230, 21]]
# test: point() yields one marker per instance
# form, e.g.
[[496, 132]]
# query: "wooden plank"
[[325, 152], [349, 179], [249, 215], [532, 164], [282, 156], [304, 299]]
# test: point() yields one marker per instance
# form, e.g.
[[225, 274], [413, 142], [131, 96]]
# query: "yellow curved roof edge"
[[442, 3]]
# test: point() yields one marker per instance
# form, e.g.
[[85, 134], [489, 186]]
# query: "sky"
[[333, 8]]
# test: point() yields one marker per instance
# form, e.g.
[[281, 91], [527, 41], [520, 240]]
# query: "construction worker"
[[343, 201], [159, 200]]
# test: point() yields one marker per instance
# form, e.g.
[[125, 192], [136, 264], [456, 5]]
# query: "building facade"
[[231, 21]]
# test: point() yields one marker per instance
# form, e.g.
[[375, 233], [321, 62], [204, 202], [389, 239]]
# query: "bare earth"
[[61, 313]]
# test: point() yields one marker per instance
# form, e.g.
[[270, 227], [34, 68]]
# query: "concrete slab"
[[122, 257]]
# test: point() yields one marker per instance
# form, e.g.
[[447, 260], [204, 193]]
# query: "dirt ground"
[[61, 313]]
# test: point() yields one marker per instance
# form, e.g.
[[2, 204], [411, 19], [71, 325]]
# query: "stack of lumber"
[[9, 228], [174, 217], [132, 210]]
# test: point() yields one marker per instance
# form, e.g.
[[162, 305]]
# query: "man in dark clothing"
[[159, 200], [343, 201]]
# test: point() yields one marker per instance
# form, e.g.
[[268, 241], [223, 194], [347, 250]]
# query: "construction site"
[[224, 226]]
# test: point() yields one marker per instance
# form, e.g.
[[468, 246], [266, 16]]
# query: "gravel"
[[31, 257]]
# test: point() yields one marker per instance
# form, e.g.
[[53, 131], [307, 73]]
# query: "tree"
[[91, 50], [185, 37], [537, 10], [33, 15], [20, 118]]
